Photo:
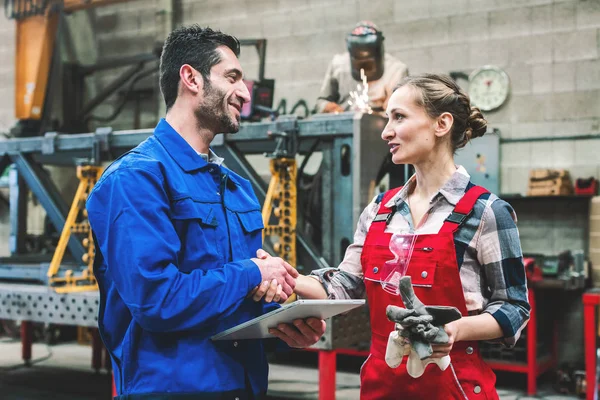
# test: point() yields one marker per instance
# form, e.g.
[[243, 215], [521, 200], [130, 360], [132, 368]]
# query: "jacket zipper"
[[222, 195]]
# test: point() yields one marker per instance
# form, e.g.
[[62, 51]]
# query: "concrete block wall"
[[549, 48], [7, 105], [7, 74]]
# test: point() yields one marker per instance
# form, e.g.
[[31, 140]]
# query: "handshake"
[[278, 283], [278, 278]]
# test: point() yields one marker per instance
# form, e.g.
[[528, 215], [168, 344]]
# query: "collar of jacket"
[[179, 150]]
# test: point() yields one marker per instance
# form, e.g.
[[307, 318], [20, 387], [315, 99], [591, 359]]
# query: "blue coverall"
[[174, 236]]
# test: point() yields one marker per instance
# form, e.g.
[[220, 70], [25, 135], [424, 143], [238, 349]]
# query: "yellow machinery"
[[77, 223], [36, 31], [280, 206], [37, 24], [280, 202]]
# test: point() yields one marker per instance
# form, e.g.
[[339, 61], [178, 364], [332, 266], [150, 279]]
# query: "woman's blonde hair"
[[438, 94]]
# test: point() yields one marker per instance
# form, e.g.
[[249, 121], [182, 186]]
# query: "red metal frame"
[[26, 341], [328, 367], [534, 367], [590, 301]]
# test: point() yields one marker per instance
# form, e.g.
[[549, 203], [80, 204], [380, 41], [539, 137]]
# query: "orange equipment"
[[37, 24]]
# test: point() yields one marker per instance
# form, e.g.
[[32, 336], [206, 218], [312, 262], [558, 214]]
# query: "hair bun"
[[476, 124]]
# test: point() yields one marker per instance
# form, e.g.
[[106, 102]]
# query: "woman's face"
[[410, 132]]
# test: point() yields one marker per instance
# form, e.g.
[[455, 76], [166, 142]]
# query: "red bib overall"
[[435, 276]]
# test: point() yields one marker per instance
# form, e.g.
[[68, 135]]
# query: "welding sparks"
[[359, 98]]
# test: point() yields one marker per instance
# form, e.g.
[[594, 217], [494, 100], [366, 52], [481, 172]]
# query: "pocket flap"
[[422, 273], [373, 267], [189, 209], [251, 221]]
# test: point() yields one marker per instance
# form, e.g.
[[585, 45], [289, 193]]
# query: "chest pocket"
[[196, 224], [422, 272], [374, 263], [251, 221], [251, 224]]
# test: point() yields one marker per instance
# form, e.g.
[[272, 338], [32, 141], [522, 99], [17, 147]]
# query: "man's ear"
[[443, 124], [191, 79]]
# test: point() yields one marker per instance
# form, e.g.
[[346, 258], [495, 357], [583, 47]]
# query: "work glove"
[[417, 327]]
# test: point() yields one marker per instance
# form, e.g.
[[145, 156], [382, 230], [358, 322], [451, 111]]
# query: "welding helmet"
[[365, 45]]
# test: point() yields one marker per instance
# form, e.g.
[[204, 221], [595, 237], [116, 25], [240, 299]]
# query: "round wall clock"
[[489, 87]]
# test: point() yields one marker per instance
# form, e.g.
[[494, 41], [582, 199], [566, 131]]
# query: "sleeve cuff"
[[252, 273], [509, 337]]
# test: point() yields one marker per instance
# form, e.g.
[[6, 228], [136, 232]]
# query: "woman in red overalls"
[[467, 252]]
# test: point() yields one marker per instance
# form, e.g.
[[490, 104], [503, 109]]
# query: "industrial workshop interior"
[[380, 153]]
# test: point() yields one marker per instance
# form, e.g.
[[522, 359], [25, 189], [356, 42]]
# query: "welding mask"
[[365, 45]]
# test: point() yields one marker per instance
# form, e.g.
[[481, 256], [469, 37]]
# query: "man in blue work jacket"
[[175, 235]]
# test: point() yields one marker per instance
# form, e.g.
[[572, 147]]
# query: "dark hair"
[[195, 46], [439, 94]]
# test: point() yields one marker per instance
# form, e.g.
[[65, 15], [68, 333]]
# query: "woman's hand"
[[270, 291], [441, 350]]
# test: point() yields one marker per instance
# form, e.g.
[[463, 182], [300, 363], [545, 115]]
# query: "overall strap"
[[385, 214], [463, 209]]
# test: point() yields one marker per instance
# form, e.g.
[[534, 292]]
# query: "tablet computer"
[[258, 328]]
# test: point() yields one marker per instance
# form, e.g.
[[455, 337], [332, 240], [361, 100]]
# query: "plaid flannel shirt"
[[490, 259]]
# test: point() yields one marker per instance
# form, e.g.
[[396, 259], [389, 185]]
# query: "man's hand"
[[274, 272], [331, 107], [270, 292], [303, 333]]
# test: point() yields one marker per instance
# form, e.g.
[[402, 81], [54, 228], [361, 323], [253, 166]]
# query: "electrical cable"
[[307, 157], [301, 103], [30, 363], [118, 109], [282, 107]]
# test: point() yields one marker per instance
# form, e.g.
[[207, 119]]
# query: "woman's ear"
[[443, 124]]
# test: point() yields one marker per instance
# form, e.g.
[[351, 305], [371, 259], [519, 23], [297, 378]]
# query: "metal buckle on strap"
[[382, 217], [457, 218], [385, 217]]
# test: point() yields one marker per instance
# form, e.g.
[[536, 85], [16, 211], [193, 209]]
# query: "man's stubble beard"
[[212, 114]]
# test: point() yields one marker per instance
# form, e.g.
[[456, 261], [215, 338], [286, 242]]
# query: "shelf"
[[543, 364]]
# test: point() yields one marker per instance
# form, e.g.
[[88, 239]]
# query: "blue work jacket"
[[174, 235]]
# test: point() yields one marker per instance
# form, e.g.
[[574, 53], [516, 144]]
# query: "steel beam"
[[48, 196], [18, 212], [252, 136]]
